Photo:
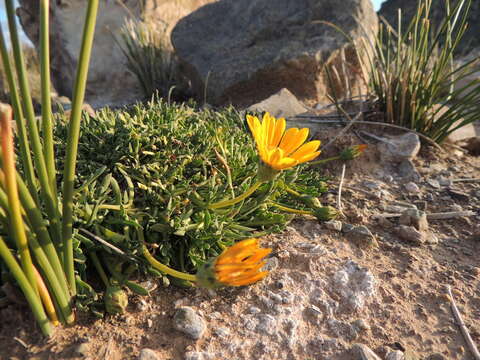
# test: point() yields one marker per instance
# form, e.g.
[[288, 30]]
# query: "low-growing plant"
[[184, 184], [415, 78]]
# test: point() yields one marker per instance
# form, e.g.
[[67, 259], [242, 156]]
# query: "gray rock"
[[443, 181], [189, 322], [241, 57], [407, 171], [410, 234], [346, 228], [399, 148], [333, 225], [271, 264], [199, 355], [148, 354], [254, 310], [362, 236], [412, 188], [354, 284], [313, 313], [281, 104], [395, 355], [110, 81], [360, 325], [266, 324], [221, 332], [415, 218], [433, 183], [364, 352]]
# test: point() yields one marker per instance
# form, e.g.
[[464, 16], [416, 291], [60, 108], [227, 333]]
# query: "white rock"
[[412, 188], [281, 104]]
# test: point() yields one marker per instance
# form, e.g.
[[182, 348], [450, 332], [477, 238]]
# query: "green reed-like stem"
[[14, 207], [62, 298], [32, 297], [39, 227], [20, 120], [72, 141], [51, 204], [46, 100], [236, 200]]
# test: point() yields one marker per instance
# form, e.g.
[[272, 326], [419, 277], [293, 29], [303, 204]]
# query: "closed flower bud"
[[353, 152], [326, 213], [115, 299]]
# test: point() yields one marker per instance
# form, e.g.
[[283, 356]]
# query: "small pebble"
[[189, 322], [412, 188], [333, 225], [409, 233], [148, 354], [433, 183]]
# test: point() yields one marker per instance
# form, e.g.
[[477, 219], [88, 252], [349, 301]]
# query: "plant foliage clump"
[[157, 168]]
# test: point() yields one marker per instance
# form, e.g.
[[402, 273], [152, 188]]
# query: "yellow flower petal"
[[306, 149], [292, 140], [309, 157], [278, 148], [284, 163], [279, 130]]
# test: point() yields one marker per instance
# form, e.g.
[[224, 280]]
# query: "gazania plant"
[[36, 245], [179, 198]]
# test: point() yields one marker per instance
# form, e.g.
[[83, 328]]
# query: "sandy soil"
[[326, 290]]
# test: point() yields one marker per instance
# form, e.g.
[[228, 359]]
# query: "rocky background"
[[229, 50]]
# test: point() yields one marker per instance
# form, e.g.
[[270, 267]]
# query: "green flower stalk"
[[72, 141], [347, 154]]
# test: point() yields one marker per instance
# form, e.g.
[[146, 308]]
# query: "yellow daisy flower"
[[238, 265], [280, 149]]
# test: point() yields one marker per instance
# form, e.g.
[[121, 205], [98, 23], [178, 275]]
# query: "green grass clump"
[[415, 79], [150, 57], [157, 168]]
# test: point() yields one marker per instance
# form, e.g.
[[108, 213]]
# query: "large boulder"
[[242, 52], [109, 80]]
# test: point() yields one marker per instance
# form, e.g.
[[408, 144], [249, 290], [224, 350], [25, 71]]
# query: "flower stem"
[[318, 162], [167, 270], [291, 210], [32, 297], [72, 141], [236, 200]]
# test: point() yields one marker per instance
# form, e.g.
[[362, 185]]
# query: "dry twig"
[[339, 198], [458, 318], [432, 216]]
